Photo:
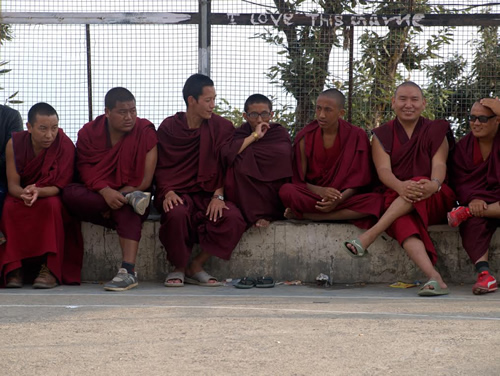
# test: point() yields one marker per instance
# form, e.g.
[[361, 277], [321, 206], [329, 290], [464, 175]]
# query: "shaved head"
[[336, 95]]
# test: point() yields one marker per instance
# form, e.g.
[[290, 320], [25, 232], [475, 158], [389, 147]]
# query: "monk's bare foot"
[[262, 223], [171, 277], [438, 279], [289, 214], [196, 268]]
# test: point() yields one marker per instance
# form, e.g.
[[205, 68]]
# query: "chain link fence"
[[70, 54]]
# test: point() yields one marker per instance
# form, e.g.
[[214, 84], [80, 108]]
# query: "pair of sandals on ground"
[[430, 288]]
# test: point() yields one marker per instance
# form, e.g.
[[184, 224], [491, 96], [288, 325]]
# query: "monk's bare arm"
[[438, 172], [48, 191], [149, 170], [13, 178], [260, 131], [406, 189]]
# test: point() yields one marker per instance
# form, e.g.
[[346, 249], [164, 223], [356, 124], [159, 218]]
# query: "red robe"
[[190, 164], [44, 228], [412, 159], [254, 176], [475, 178], [346, 165], [101, 165]]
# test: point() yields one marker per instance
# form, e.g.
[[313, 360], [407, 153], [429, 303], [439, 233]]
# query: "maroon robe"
[[102, 165], [346, 165], [411, 159], [44, 229], [190, 164], [475, 178], [254, 176]]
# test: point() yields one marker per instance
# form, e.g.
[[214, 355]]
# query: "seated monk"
[[332, 169], [410, 156], [190, 187], [475, 176], [38, 229], [259, 162], [116, 157]]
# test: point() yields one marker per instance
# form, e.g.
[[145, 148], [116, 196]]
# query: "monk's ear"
[[245, 116], [107, 112], [29, 126], [342, 113], [393, 99], [191, 100]]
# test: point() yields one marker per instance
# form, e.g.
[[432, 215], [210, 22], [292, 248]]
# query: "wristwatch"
[[218, 197], [439, 184]]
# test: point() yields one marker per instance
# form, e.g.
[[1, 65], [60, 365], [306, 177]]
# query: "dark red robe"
[[101, 165], [44, 228], [346, 165], [474, 178], [190, 164], [411, 159], [254, 176]]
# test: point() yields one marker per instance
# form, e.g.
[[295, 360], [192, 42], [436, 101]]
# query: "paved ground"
[[287, 330]]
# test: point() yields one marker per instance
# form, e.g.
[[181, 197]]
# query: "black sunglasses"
[[482, 119]]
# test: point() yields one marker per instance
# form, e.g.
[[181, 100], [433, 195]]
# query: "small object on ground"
[[173, 276], [246, 283], [202, 278], [402, 285], [264, 282], [435, 291], [293, 283], [323, 280]]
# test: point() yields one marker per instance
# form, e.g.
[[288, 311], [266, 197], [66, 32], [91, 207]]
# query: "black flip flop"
[[264, 282], [246, 283]]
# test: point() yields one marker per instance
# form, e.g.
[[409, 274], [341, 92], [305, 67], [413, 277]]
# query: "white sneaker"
[[139, 201]]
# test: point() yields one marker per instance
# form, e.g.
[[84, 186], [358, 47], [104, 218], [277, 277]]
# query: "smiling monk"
[[475, 176], [410, 154]]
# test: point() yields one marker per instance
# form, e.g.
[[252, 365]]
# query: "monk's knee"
[[286, 192], [176, 214]]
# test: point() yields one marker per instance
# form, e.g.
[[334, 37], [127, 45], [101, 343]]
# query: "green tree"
[[307, 50], [383, 55], [6, 35]]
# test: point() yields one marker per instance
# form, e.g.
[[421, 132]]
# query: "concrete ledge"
[[289, 250]]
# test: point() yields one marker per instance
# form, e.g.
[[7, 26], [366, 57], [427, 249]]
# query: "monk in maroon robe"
[[190, 186], [115, 157], [410, 156], [37, 227], [332, 169], [475, 176], [259, 162]]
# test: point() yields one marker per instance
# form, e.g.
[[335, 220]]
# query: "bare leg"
[[483, 258], [262, 223], [197, 264], [129, 249], [398, 208], [415, 249], [289, 214], [338, 215]]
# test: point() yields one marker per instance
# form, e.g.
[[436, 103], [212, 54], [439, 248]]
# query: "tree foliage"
[[6, 35]]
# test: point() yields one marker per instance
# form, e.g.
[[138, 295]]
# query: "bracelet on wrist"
[[255, 136]]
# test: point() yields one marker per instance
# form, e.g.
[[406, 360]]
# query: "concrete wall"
[[289, 250]]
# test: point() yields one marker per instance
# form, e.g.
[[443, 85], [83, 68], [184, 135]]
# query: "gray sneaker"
[[122, 281], [139, 201]]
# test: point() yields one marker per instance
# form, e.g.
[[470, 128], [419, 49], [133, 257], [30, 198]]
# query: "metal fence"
[[71, 53]]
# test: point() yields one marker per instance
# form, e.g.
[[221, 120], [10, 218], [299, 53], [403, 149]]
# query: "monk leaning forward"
[[410, 156], [475, 176], [116, 156], [259, 163], [332, 169], [37, 227], [190, 186]]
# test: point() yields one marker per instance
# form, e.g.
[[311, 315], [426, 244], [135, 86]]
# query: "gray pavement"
[[286, 330]]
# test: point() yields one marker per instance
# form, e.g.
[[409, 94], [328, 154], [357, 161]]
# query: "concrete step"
[[290, 250]]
